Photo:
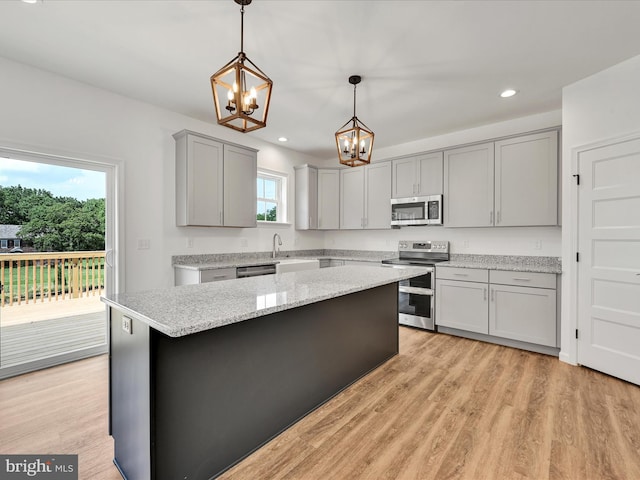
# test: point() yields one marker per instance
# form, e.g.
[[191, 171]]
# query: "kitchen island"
[[202, 375]]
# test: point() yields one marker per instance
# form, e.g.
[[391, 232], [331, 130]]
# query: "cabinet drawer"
[[464, 274], [525, 279], [217, 274]]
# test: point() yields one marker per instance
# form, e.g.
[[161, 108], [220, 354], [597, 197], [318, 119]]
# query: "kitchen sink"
[[296, 264]]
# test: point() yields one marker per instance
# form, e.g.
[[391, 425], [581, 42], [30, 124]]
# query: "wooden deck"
[[37, 331]]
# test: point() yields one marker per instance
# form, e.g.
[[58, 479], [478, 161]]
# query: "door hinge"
[[577, 256], [577, 177], [576, 333]]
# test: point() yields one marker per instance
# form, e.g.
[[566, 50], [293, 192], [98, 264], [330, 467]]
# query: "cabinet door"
[[523, 313], [462, 305], [526, 180], [352, 198], [306, 198], [240, 173], [199, 181], [429, 174], [403, 178], [468, 186], [378, 196], [328, 199]]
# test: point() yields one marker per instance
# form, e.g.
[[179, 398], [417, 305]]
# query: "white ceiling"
[[428, 67]]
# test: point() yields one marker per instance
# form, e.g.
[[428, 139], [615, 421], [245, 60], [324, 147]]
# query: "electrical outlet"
[[144, 244], [465, 244], [126, 325], [189, 242], [244, 242], [538, 245]]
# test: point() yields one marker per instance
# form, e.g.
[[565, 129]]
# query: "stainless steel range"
[[416, 296]]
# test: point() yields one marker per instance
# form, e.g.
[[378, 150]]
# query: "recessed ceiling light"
[[283, 139], [510, 92], [30, 1]]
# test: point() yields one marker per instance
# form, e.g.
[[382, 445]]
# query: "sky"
[[60, 181]]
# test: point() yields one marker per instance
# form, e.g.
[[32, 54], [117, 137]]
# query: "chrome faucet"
[[273, 253]]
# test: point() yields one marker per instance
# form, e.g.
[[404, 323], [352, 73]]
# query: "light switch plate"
[[126, 325]]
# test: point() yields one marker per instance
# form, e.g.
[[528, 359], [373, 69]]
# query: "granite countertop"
[[188, 309], [512, 263], [216, 261]]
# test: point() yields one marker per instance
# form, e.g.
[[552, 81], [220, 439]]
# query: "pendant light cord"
[[242, 28]]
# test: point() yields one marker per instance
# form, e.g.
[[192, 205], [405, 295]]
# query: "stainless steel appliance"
[[425, 210], [255, 270], [416, 296]]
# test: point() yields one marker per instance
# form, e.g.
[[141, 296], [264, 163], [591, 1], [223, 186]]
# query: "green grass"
[[99, 279]]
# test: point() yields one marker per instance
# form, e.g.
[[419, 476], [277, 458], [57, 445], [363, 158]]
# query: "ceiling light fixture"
[[508, 93], [244, 87], [283, 139], [355, 143]]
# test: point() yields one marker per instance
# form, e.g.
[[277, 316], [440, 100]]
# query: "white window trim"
[[4, 243], [282, 200]]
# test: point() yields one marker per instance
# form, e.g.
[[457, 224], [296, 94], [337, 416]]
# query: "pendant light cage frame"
[[241, 91], [355, 143]]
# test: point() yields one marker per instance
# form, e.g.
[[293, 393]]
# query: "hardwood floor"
[[446, 407]]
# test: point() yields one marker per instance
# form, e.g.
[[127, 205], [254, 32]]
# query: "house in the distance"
[[10, 242]]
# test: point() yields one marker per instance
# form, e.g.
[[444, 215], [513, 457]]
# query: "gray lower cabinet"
[[525, 313], [189, 276], [511, 305], [463, 304]]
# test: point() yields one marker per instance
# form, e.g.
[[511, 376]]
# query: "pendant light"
[[354, 143], [241, 91]]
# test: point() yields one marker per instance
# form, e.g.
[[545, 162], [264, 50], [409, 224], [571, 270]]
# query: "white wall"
[[489, 241], [603, 106], [51, 114]]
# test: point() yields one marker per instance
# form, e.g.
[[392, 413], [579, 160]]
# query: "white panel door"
[[609, 266]]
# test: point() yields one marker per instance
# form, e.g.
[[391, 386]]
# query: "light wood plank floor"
[[446, 407]]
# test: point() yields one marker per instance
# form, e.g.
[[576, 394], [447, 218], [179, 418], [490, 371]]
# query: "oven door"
[[415, 303]]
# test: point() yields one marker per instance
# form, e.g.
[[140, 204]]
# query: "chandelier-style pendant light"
[[241, 91], [355, 143]]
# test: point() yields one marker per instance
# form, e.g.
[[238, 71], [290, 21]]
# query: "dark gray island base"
[[190, 407]]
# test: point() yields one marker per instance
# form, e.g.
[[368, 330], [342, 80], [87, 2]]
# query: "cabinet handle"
[[491, 218], [484, 290], [492, 292], [461, 274], [522, 279], [220, 217], [499, 217]]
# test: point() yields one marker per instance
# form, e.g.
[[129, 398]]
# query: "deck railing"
[[51, 276]]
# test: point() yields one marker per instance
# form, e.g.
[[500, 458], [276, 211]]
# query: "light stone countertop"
[[180, 311], [232, 260], [512, 263]]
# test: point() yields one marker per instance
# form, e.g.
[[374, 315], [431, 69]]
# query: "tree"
[[54, 223], [270, 216]]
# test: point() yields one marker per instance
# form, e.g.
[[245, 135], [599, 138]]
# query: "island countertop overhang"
[[189, 309]]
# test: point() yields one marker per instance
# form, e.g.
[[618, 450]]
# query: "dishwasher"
[[255, 270]]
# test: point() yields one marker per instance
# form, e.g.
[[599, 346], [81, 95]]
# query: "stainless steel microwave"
[[425, 210]]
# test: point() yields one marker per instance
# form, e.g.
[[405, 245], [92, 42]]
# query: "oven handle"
[[416, 290]]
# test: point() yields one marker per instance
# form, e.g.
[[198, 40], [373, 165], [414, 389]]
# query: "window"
[[16, 242], [3, 244], [272, 197]]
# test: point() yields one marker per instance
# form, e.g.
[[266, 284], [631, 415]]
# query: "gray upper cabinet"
[[215, 182], [317, 198], [468, 186], [511, 182], [240, 173], [417, 175], [306, 197], [365, 194], [328, 199], [526, 180]]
